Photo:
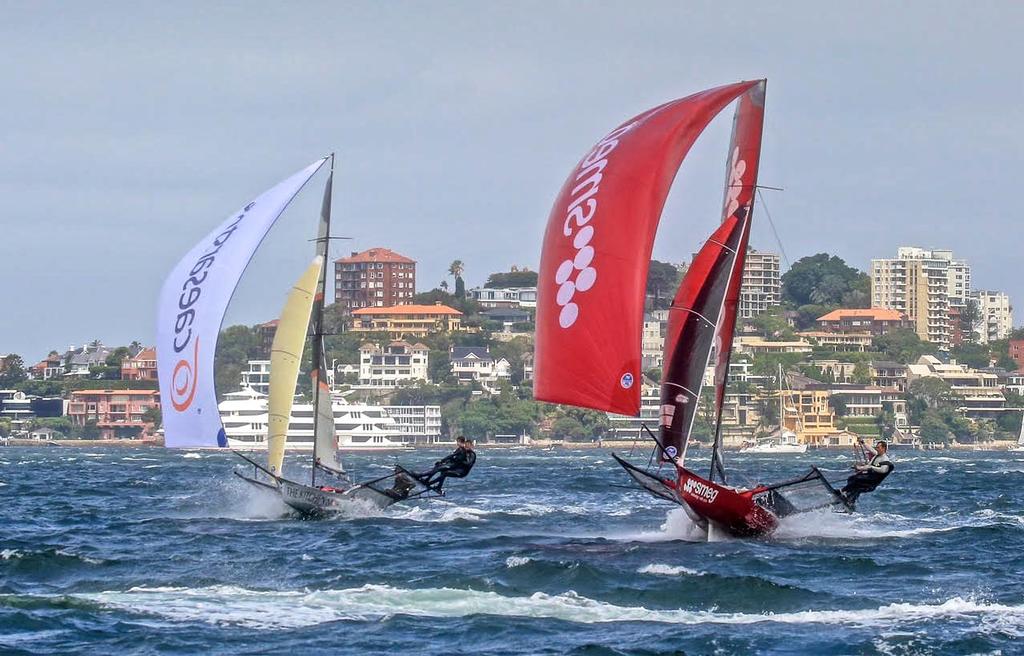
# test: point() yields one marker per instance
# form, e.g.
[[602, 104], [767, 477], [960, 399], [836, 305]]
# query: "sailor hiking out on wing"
[[403, 485], [455, 465], [870, 474]]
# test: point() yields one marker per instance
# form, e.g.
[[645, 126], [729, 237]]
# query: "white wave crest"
[[10, 554], [230, 605], [677, 526], [192, 455], [661, 569], [516, 561]]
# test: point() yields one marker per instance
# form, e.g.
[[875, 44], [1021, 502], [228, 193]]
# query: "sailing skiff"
[[591, 294]]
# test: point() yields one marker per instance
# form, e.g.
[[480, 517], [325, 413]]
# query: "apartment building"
[[377, 277], [875, 321], [762, 284], [118, 413], [923, 285], [995, 316], [414, 320], [393, 365]]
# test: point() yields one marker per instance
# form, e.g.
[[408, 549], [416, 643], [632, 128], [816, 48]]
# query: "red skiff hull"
[[733, 511]]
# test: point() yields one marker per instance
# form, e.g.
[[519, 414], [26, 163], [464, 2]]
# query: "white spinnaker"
[[191, 308]]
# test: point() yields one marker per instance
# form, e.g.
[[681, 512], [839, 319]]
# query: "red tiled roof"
[[148, 353], [878, 314], [377, 255], [407, 309]]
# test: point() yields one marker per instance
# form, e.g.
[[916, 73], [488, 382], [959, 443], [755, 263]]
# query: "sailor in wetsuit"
[[455, 465], [402, 487], [870, 474]]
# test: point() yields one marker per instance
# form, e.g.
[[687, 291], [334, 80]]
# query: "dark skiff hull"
[[315, 501]]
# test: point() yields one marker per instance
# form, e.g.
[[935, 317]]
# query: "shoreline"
[[536, 444]]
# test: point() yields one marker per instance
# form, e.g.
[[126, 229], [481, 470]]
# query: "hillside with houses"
[[909, 351]]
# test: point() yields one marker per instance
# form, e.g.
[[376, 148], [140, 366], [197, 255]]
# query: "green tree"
[[902, 345], [12, 371], [235, 347], [807, 315], [512, 279], [933, 428], [772, 325], [825, 279], [455, 269], [117, 356], [41, 387], [662, 280], [153, 416], [923, 394], [5, 427], [972, 355], [768, 410], [861, 373], [838, 405], [569, 428]]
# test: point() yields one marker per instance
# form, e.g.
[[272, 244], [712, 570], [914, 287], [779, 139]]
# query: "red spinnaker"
[[740, 186], [597, 250]]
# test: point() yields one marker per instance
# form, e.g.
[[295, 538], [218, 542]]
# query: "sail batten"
[[285, 358], [191, 308], [597, 251]]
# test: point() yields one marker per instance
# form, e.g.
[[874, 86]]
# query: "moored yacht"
[[358, 426]]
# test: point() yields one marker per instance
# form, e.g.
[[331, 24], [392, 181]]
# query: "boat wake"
[[828, 525], [231, 605], [677, 527]]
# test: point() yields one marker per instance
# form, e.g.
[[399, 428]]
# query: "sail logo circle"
[[735, 186], [183, 381], [626, 381], [577, 273]]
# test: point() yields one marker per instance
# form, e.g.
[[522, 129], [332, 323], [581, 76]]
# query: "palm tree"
[[444, 285], [456, 268]]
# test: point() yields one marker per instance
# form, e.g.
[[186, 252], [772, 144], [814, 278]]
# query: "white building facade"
[[394, 365], [995, 316], [762, 284]]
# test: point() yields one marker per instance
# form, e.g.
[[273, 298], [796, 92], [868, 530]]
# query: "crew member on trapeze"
[[870, 474], [455, 465]]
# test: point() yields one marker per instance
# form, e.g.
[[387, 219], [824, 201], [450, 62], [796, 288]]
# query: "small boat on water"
[[1020, 438], [591, 293], [192, 304], [783, 441]]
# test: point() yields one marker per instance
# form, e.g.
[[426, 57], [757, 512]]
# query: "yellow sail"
[[285, 356]]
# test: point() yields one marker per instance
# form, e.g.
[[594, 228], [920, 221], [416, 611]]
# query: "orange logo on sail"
[[183, 381]]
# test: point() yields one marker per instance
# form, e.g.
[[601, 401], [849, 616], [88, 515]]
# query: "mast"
[[782, 406], [742, 166], [321, 391]]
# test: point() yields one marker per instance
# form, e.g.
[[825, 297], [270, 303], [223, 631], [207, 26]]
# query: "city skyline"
[[116, 161]]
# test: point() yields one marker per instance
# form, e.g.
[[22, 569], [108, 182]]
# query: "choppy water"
[[152, 551]]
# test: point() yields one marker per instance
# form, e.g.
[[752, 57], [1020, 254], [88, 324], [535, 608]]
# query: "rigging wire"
[[775, 232]]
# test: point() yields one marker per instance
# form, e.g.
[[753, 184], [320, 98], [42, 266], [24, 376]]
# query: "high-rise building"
[[378, 277], [922, 284], [762, 284], [995, 316]]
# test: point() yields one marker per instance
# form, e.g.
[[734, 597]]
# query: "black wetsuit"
[[401, 488], [866, 481], [456, 465]]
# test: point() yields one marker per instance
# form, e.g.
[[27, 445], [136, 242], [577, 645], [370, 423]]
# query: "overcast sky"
[[129, 130]]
